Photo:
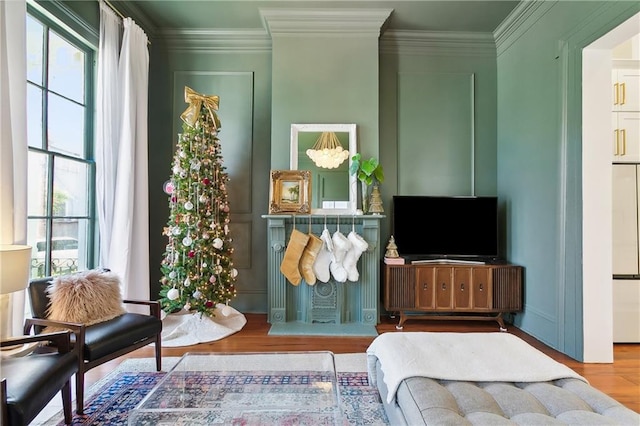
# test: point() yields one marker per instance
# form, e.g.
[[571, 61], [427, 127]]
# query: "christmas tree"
[[197, 267]]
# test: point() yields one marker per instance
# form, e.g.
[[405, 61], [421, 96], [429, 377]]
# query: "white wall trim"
[[443, 43], [216, 41], [596, 206], [596, 187], [294, 22], [521, 18]]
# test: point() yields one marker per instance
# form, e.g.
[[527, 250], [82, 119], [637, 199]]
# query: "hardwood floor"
[[620, 380]]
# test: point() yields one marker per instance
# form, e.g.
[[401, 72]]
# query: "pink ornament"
[[212, 279], [226, 208], [169, 187]]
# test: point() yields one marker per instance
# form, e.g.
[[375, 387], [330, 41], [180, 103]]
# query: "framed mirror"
[[334, 189]]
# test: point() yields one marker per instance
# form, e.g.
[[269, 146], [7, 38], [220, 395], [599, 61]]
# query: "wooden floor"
[[620, 380]]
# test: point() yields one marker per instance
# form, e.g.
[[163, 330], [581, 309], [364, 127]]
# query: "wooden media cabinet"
[[460, 291]]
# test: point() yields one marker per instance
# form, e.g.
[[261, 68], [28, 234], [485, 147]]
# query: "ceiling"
[[414, 15]]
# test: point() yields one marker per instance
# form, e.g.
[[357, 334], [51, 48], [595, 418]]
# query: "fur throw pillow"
[[88, 297]]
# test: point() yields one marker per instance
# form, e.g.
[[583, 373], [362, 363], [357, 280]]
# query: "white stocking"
[[341, 246], [350, 263], [323, 259]]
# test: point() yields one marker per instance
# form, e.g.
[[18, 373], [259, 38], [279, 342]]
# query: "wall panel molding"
[[236, 92]]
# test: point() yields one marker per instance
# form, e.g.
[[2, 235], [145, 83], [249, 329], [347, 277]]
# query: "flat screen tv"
[[428, 227]]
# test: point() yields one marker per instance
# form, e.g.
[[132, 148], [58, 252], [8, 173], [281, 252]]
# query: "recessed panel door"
[[425, 288], [481, 288], [443, 290], [462, 288]]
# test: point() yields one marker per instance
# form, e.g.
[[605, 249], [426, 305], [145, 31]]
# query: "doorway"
[[597, 191]]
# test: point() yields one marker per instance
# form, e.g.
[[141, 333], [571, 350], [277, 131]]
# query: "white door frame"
[[597, 191]]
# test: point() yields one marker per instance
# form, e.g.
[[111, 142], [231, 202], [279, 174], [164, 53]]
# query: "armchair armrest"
[[73, 326], [76, 328], [154, 306], [61, 339]]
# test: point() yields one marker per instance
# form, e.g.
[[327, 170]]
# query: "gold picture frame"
[[290, 191]]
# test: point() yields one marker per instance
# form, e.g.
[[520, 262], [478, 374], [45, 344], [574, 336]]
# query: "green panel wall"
[[398, 73], [435, 110], [539, 161], [526, 127], [324, 79], [243, 83]]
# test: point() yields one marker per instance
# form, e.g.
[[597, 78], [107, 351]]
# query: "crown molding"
[[438, 43], [129, 9], [343, 22], [525, 14], [216, 41]]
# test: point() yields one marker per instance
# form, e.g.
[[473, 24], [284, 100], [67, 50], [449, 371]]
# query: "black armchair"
[[30, 382], [98, 343]]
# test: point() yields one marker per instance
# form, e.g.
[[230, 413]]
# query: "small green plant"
[[369, 172]]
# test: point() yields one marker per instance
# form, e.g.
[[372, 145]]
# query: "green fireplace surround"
[[342, 305]]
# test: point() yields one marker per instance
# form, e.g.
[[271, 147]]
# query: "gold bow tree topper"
[[195, 101]]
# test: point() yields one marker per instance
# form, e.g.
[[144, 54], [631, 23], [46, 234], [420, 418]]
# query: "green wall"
[[243, 82], [324, 79], [472, 78], [526, 127], [539, 160]]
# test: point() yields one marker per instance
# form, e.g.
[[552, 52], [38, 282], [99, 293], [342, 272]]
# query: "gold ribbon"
[[195, 101]]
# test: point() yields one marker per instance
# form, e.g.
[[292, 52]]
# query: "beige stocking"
[[308, 259], [289, 265]]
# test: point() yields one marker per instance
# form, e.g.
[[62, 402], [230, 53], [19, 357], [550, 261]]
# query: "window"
[[61, 170]]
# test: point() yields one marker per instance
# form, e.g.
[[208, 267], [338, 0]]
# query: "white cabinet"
[[626, 311], [626, 137], [626, 259], [626, 87], [626, 112]]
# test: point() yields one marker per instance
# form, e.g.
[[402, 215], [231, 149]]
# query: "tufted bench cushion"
[[425, 400]]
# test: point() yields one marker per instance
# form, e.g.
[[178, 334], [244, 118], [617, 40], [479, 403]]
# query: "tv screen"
[[434, 226]]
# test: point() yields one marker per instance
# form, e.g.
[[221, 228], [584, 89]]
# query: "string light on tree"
[[197, 267]]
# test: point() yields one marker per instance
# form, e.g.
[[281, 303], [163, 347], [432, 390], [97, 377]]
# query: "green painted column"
[[325, 66]]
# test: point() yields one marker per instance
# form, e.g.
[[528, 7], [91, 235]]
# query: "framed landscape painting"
[[290, 191]]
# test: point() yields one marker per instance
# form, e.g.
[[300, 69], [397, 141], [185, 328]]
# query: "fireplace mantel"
[[332, 307]]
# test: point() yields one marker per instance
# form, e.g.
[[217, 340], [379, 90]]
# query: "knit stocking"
[[350, 263], [308, 259], [323, 259], [289, 265], [341, 246]]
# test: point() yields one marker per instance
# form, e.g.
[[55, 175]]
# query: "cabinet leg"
[[403, 318], [500, 321]]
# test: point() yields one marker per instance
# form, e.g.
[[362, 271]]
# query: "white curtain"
[[13, 137], [129, 250], [127, 253], [108, 125]]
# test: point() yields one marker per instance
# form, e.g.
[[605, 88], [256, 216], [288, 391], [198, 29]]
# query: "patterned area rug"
[[112, 401]]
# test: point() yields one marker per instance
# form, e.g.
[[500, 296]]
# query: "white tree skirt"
[[186, 328]]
